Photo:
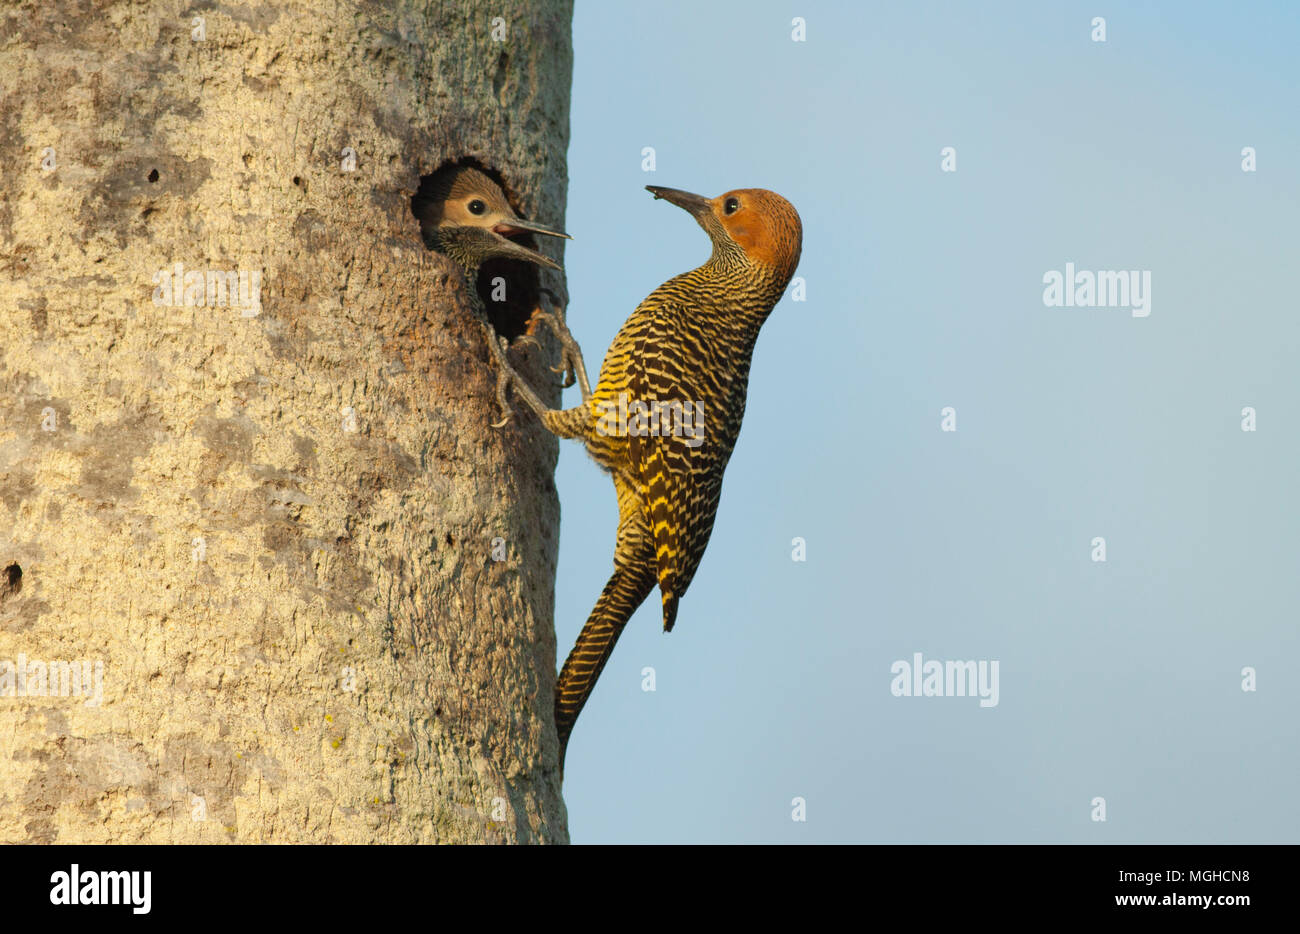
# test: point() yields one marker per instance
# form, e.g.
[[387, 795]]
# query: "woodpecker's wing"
[[679, 463]]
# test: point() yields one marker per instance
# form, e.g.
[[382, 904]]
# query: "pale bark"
[[184, 488]]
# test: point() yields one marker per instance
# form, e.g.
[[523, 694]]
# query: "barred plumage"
[[690, 341]]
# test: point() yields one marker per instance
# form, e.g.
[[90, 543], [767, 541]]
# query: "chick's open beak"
[[512, 250], [517, 225]]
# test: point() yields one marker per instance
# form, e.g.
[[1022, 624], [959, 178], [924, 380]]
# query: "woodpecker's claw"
[[566, 367], [567, 370], [504, 375], [571, 362]]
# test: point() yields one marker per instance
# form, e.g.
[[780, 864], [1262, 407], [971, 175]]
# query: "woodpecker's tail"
[[670, 609], [627, 588]]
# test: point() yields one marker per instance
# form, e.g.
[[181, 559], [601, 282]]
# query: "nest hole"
[[508, 288], [11, 581]]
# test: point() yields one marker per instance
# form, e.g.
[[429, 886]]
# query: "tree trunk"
[[253, 506]]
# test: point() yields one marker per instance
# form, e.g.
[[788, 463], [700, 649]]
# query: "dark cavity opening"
[[153, 175], [520, 278], [11, 581]]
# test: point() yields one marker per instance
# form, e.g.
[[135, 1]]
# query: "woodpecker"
[[686, 349], [465, 215]]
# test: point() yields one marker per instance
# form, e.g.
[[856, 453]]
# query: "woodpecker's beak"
[[517, 226], [692, 204], [512, 250]]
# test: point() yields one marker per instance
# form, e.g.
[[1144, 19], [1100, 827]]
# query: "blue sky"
[[1119, 679]]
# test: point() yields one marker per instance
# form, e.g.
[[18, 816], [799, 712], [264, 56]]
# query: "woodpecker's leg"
[[564, 423], [572, 362], [505, 372], [505, 376], [631, 583]]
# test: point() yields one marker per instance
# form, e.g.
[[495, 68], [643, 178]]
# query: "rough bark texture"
[[273, 524]]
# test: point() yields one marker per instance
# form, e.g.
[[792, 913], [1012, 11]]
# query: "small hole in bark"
[[499, 79], [449, 539], [297, 181], [11, 581], [518, 278], [153, 175]]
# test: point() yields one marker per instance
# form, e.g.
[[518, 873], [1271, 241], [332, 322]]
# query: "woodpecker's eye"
[[731, 206], [476, 206]]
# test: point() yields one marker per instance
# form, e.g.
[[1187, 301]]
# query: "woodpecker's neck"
[[466, 246], [744, 292]]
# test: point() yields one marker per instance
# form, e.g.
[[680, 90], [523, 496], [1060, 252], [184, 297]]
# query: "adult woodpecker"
[[680, 364], [465, 215]]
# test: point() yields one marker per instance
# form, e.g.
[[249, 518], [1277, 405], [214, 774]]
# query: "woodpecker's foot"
[[567, 369], [505, 373], [569, 351], [503, 381], [565, 366], [531, 341], [551, 307], [571, 363]]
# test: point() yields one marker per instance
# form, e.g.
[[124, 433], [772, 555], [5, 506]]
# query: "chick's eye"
[[731, 206], [476, 206]]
